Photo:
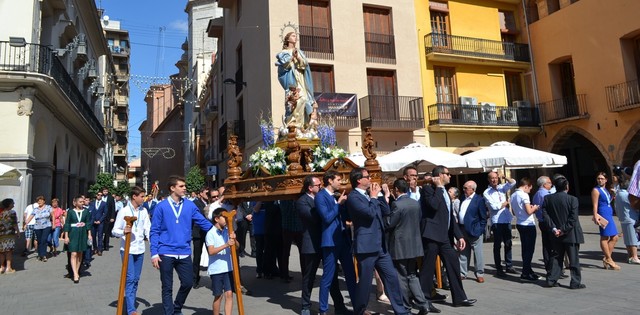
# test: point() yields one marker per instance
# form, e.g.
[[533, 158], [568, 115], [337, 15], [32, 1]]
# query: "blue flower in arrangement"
[[268, 134], [327, 135]]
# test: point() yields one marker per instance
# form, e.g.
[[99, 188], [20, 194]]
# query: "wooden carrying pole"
[[229, 216], [125, 264]]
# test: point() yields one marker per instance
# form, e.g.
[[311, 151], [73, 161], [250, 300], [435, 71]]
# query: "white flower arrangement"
[[322, 156], [272, 159]]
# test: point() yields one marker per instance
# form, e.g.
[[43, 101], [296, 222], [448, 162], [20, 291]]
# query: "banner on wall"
[[337, 104]]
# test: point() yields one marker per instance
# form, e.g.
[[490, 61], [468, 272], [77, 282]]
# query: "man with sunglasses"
[[495, 197], [439, 232]]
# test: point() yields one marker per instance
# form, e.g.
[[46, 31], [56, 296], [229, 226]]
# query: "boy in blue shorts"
[[220, 269]]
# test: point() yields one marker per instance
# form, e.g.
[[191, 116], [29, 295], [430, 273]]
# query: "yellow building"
[[475, 66], [586, 56]]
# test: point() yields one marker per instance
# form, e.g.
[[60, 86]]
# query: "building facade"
[[120, 48], [587, 85], [54, 74], [356, 49]]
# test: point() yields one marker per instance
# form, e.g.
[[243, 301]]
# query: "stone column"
[[42, 179]]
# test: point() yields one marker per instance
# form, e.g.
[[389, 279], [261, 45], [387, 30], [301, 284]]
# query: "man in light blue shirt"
[[495, 197]]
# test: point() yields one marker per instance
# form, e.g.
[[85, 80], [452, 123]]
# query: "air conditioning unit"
[[468, 100], [488, 112], [510, 114], [470, 115], [521, 104]]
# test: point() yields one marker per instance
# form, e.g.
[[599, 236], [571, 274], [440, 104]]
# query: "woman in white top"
[[139, 231], [526, 225]]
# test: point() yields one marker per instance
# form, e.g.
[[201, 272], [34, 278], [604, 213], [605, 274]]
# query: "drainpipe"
[[534, 80]]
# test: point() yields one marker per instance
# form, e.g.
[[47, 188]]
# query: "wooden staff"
[[229, 216], [438, 273], [355, 259], [125, 263]]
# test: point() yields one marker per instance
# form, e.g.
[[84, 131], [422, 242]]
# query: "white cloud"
[[179, 25]]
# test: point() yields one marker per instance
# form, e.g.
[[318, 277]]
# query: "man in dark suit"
[[473, 221], [111, 216], [369, 245], [439, 231], [98, 209], [405, 245], [311, 250], [334, 241], [198, 236], [561, 212]]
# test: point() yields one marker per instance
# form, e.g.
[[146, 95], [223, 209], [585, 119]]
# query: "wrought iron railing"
[[574, 106], [475, 47], [483, 115], [623, 96], [40, 59], [341, 122], [316, 42], [392, 112], [380, 48]]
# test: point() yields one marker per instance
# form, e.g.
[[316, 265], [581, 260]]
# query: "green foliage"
[[102, 180], [123, 189], [195, 179]]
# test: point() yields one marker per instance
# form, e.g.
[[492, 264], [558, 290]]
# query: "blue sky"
[[153, 53]]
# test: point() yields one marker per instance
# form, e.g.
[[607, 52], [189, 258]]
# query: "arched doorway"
[[631, 146], [584, 159]]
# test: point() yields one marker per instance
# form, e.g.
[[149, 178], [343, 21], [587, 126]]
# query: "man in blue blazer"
[[98, 209], [311, 250], [369, 245], [438, 234], [334, 241], [473, 221]]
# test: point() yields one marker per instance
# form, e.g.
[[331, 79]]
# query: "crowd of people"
[[397, 232]]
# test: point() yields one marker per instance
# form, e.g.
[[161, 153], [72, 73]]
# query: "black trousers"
[[241, 234], [272, 254], [450, 259], [310, 263], [197, 255], [546, 237], [288, 238], [557, 257]]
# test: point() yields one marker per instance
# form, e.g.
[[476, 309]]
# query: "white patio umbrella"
[[9, 175], [357, 157], [425, 158], [507, 155]]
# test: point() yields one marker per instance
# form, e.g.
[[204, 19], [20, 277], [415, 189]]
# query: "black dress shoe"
[[511, 271], [438, 297], [433, 309], [579, 286], [551, 284], [467, 302], [501, 274]]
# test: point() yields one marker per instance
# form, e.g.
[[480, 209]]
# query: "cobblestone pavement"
[[39, 288]]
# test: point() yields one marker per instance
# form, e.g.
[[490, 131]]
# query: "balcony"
[[119, 151], [119, 51], [402, 113], [341, 122], [19, 63], [120, 126], [446, 116], [211, 111], [380, 48], [122, 76], [452, 48], [122, 101], [316, 42], [564, 109], [623, 96]]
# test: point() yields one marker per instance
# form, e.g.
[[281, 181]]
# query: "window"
[[513, 82], [553, 6], [378, 35], [124, 43], [315, 28], [446, 89], [439, 13], [383, 102], [322, 79]]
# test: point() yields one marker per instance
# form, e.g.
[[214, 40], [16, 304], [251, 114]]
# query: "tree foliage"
[[102, 180], [123, 189], [195, 179]]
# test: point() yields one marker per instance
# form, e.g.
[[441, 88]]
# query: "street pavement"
[[39, 288]]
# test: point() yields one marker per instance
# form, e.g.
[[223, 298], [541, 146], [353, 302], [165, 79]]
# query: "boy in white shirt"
[[220, 268]]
